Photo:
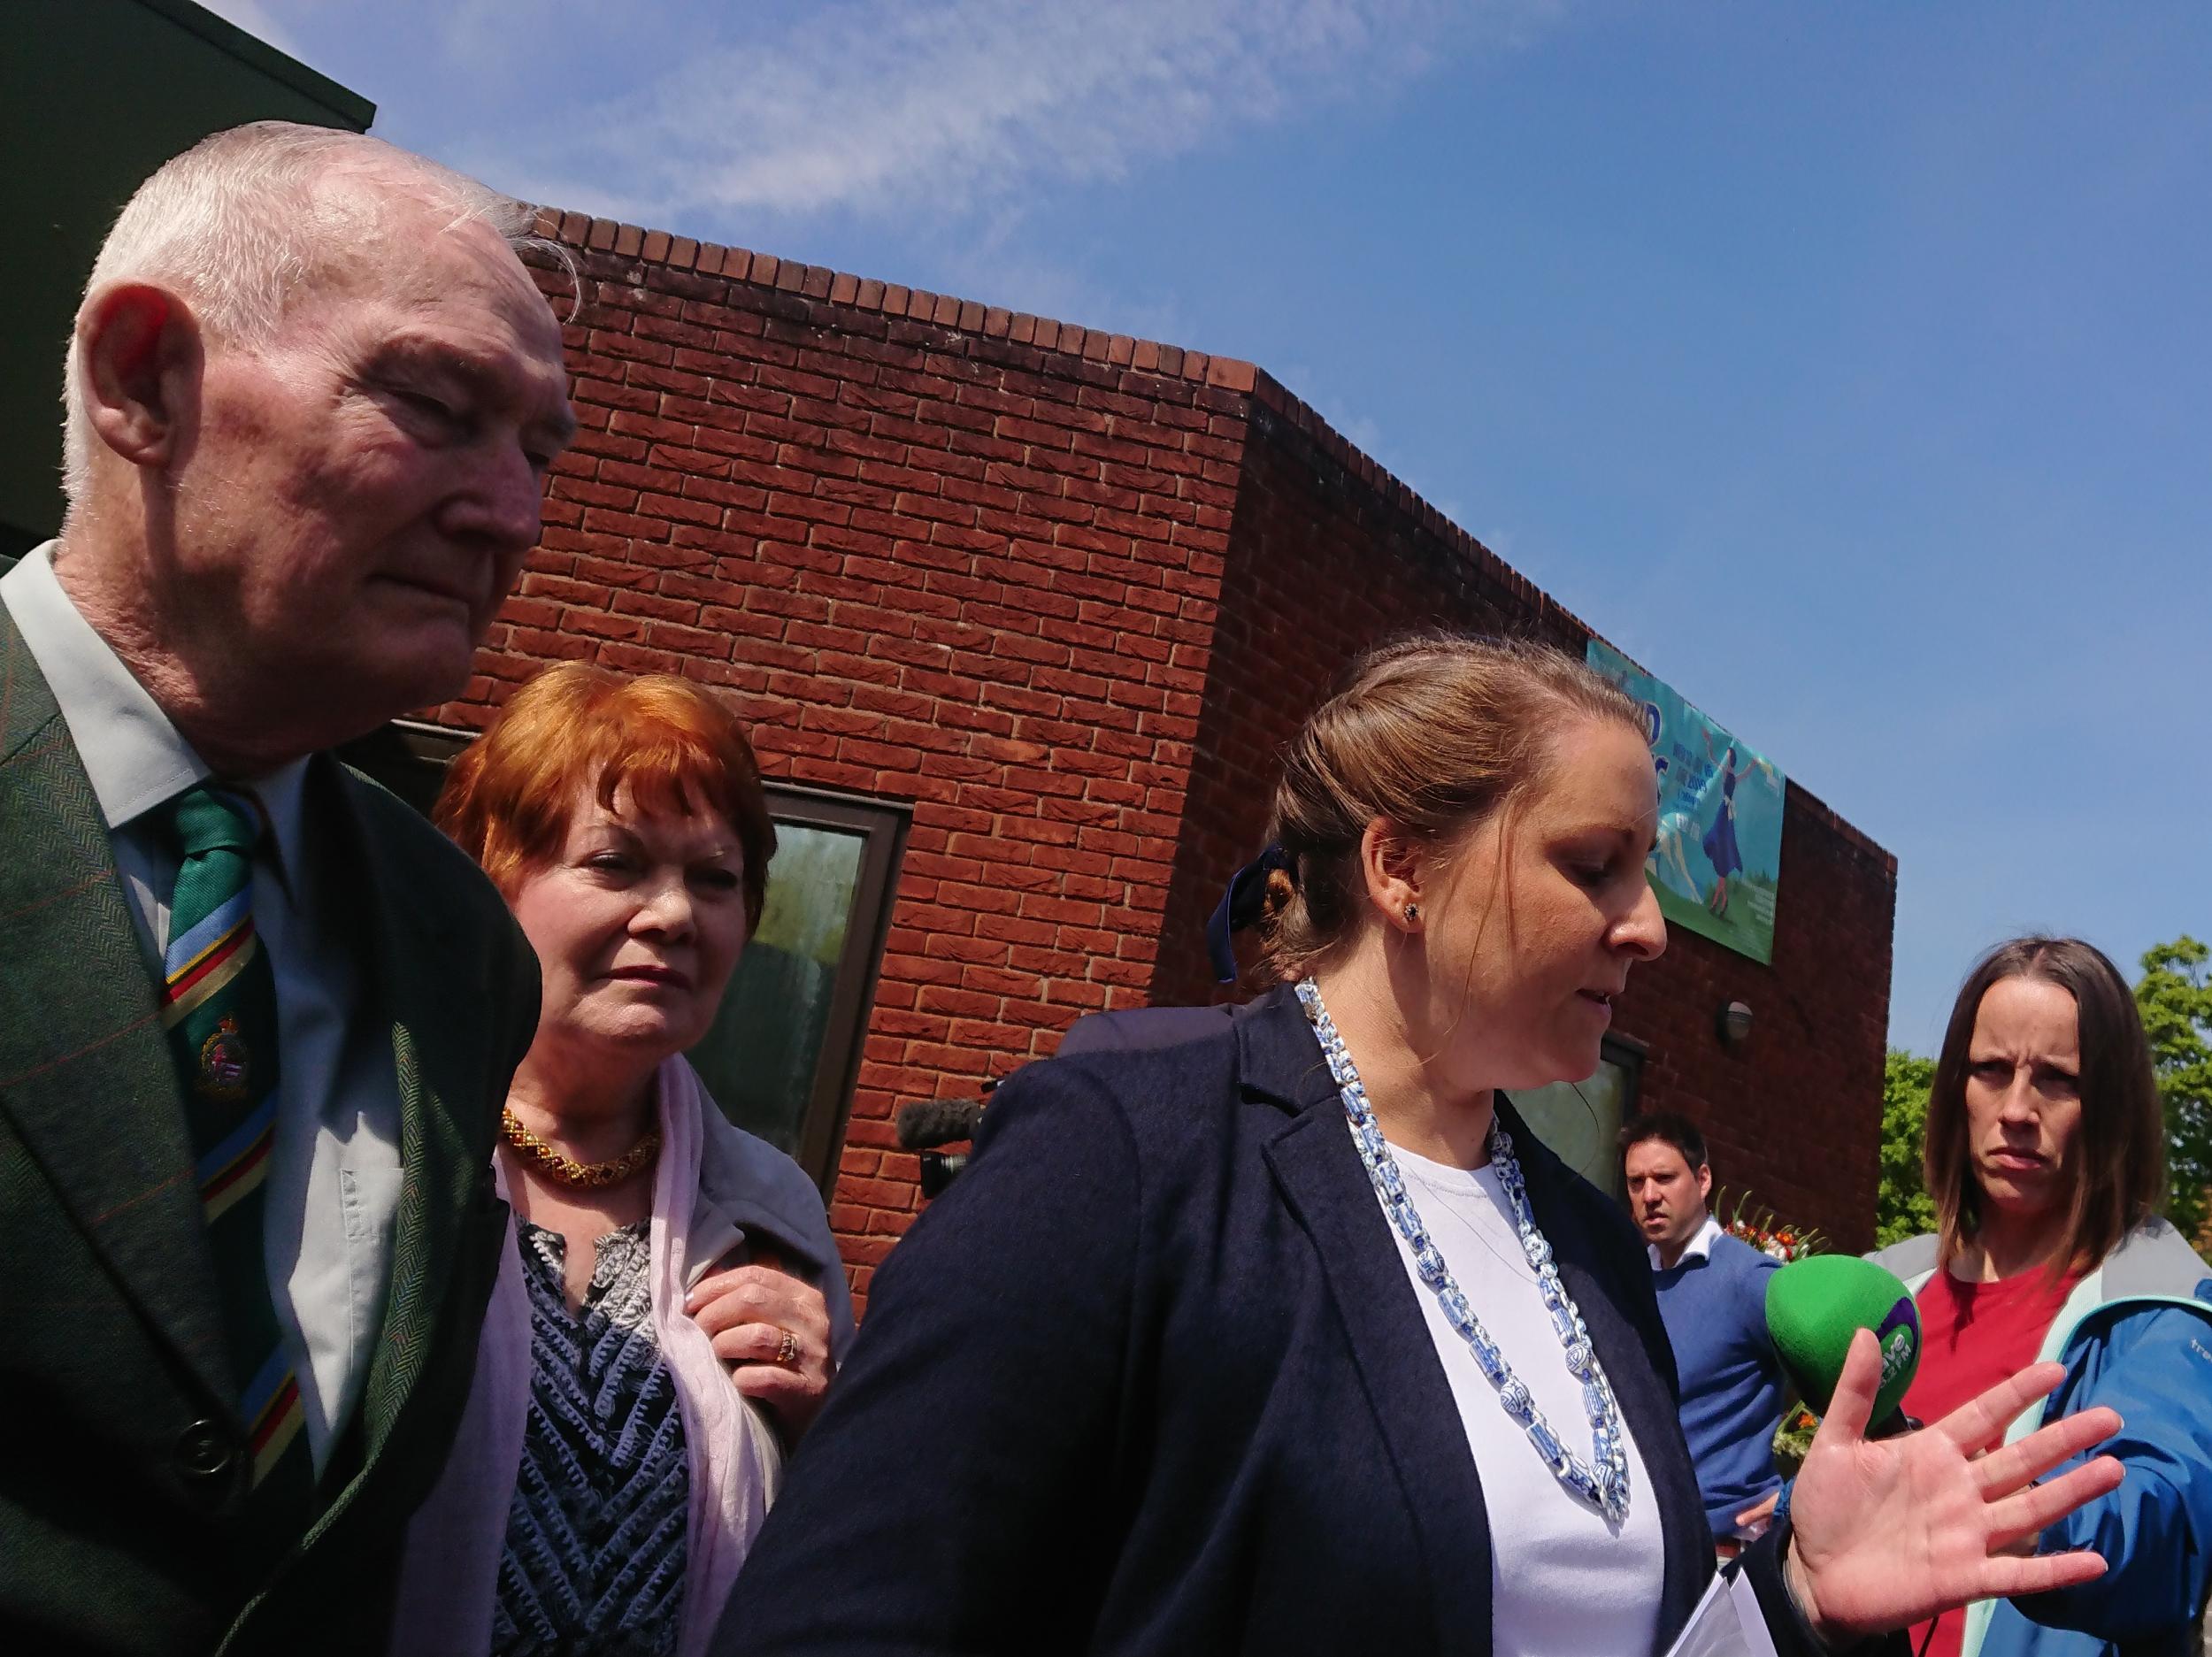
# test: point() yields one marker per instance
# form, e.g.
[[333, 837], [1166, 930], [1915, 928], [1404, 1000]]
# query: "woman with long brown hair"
[[2046, 1161], [1290, 1338]]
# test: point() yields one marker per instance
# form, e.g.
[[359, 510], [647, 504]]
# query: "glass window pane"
[[1579, 1121], [761, 1058]]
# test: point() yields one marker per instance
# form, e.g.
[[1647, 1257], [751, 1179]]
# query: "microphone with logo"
[[1813, 1308]]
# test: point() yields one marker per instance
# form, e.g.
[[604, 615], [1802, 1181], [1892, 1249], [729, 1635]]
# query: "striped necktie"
[[220, 1007]]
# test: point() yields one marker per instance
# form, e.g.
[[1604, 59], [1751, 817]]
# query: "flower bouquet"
[[1757, 1225]]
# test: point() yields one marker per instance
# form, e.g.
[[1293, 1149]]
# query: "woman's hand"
[[748, 1311], [1890, 1531]]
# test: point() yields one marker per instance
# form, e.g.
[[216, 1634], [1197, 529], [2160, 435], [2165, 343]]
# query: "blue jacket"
[[1151, 1380], [2135, 1334]]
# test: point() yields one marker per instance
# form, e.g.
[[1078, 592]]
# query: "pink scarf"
[[450, 1572]]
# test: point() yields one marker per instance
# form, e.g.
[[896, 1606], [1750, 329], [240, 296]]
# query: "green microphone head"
[[1816, 1306]]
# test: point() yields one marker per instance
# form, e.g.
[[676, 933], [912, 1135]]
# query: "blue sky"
[[1849, 366]]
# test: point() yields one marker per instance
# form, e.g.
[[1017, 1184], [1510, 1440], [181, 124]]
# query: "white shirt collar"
[[133, 756], [1699, 1247]]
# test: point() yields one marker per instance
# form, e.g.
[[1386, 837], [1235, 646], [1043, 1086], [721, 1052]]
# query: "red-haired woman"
[[671, 1308], [2047, 1160]]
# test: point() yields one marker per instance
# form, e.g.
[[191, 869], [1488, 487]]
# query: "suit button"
[[205, 1452]]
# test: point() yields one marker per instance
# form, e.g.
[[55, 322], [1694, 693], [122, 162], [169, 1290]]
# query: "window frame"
[[1626, 1056], [1629, 1054], [883, 826], [1626, 1053]]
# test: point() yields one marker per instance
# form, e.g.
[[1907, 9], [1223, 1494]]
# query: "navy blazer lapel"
[[86, 1076], [1321, 1177], [1319, 1172], [1646, 1396]]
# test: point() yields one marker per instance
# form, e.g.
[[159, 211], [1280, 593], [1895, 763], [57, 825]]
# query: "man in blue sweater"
[[1712, 1297]]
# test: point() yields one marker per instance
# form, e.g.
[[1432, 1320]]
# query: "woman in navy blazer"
[[1155, 1376]]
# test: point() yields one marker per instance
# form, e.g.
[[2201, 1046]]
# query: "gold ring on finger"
[[787, 1348]]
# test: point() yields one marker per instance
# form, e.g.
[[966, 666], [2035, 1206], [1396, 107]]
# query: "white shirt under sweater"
[[1564, 1581]]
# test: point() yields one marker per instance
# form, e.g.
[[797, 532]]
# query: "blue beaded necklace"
[[1604, 1486]]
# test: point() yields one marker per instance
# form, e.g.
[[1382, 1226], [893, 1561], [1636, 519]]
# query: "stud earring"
[[1412, 913]]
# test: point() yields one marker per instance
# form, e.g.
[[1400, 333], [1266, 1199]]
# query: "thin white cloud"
[[959, 104]]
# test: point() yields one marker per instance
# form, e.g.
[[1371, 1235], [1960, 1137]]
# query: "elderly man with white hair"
[[257, 1017]]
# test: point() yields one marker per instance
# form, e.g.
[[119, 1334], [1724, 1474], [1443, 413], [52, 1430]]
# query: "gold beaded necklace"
[[578, 1176]]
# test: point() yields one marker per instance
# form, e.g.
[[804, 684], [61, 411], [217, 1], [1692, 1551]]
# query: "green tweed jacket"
[[121, 1476]]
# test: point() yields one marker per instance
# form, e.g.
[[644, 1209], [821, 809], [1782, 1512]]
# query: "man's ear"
[[1705, 1182], [139, 356]]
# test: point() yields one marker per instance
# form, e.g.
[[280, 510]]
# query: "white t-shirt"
[[1565, 1582]]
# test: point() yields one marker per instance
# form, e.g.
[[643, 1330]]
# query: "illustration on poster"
[[1717, 862]]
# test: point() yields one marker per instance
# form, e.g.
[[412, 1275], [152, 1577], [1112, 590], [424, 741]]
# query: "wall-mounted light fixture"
[[1735, 1024]]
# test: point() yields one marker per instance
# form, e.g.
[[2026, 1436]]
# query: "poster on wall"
[[1718, 862]]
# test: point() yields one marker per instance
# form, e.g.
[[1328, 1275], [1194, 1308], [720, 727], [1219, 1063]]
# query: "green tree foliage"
[[1903, 1208], [2175, 996]]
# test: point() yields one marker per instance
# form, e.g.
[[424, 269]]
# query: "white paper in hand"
[[1726, 1623]]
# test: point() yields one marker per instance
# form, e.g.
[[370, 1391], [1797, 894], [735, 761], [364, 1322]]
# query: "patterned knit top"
[[593, 1563]]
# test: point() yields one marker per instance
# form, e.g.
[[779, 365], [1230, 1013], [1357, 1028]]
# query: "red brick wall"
[[1017, 574], [934, 552], [1329, 555], [1795, 1115]]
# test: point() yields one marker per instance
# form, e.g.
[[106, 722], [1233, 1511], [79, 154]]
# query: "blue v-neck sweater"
[[1715, 1311]]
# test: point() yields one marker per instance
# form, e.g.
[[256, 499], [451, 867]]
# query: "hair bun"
[[1280, 889]]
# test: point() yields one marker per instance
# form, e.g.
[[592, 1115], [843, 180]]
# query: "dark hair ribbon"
[[1241, 906]]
